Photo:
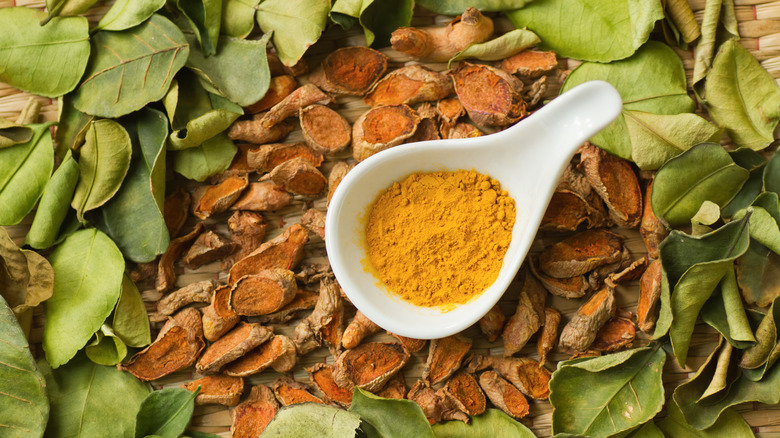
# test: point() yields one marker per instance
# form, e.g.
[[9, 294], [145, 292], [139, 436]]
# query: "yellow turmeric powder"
[[438, 239]]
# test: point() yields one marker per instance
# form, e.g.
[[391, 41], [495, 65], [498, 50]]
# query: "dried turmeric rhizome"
[[438, 239]]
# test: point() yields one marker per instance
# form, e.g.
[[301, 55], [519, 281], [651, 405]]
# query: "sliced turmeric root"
[[381, 128], [410, 85], [572, 287], [231, 346], [220, 197], [322, 377], [581, 330], [290, 392], [504, 395], [262, 196], [651, 227], [304, 300], [649, 294], [528, 316], [548, 338], [300, 177], [530, 63], [285, 251], [492, 324], [207, 248], [491, 96], [253, 131], [369, 366], [280, 87], [618, 333], [314, 221], [280, 350], [325, 130], [463, 390], [252, 416], [581, 253], [444, 357], [337, 173], [527, 375], [266, 157], [166, 277], [263, 293], [289, 106], [198, 292], [219, 317], [615, 182], [313, 329], [247, 230], [350, 70], [217, 389]]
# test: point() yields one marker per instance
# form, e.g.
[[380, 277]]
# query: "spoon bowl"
[[527, 159]]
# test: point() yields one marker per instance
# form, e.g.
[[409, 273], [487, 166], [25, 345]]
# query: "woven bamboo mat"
[[759, 25]]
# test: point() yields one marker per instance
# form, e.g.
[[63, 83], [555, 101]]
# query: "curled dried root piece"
[[322, 377], [247, 230], [633, 272], [332, 332], [278, 353], [427, 129], [337, 173], [381, 128], [176, 347], [572, 287], [166, 276], [395, 388], [219, 317], [528, 316], [411, 345], [463, 390], [289, 106], [350, 70], [492, 324], [548, 338], [199, 292], [504, 395], [439, 44], [314, 221], [603, 273], [207, 248], [263, 196], [449, 111], [280, 87], [175, 210], [357, 330], [143, 271], [526, 374], [277, 68], [649, 294], [220, 197], [581, 330], [464, 130], [651, 227], [231, 346], [267, 157], [369, 366], [533, 95], [530, 63], [491, 96], [253, 414], [300, 177], [308, 332], [304, 300], [313, 273], [618, 333], [284, 251], [615, 182], [568, 210], [581, 253], [290, 392], [324, 129], [435, 404], [263, 293], [410, 85], [217, 389], [444, 357], [253, 131]]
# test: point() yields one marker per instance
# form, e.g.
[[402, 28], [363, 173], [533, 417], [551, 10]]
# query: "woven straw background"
[[759, 25]]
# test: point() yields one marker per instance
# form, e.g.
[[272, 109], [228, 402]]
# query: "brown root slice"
[[280, 87], [581, 330], [290, 392], [439, 44], [618, 333], [381, 128], [530, 63], [332, 332], [426, 130], [220, 197], [632, 272], [253, 414], [491, 96], [492, 324], [410, 85], [449, 111], [369, 366], [263, 196], [444, 357], [314, 221], [435, 405], [300, 177], [322, 377], [177, 346], [616, 183], [278, 353], [276, 67], [308, 332], [350, 70], [175, 210], [567, 211], [395, 388], [528, 316], [649, 294], [313, 273], [217, 389], [357, 330], [263, 293], [166, 276], [199, 292], [337, 173], [534, 94], [463, 390], [231, 346], [411, 345], [289, 106], [266, 157], [573, 287], [253, 131], [239, 165], [651, 227], [463, 130], [324, 130], [284, 251], [247, 231], [604, 273], [304, 300], [219, 317], [581, 253], [504, 395], [548, 338], [208, 247], [526, 374]]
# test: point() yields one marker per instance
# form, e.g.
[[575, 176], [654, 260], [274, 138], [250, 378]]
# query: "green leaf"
[[624, 390], [88, 270], [24, 171], [103, 162], [54, 205], [165, 413], [493, 423], [614, 29], [238, 72], [131, 68], [63, 43], [652, 81], [502, 47], [106, 348], [24, 407], [380, 18], [238, 17], [205, 18], [754, 163], [729, 424], [761, 356], [772, 174], [312, 420], [693, 266], [705, 172], [307, 17], [72, 126], [125, 14], [66, 8], [13, 133], [131, 322], [90, 400], [742, 97], [648, 430], [133, 218], [210, 158], [725, 312], [383, 414], [456, 7], [712, 35], [758, 274], [26, 278]]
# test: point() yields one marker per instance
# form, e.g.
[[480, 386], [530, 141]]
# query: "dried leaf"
[[764, 225], [238, 17], [382, 416], [730, 423], [378, 18], [210, 158], [205, 19], [758, 274], [54, 205], [125, 14], [131, 322], [307, 17], [493, 423], [313, 420], [26, 278], [165, 413], [13, 133], [106, 348], [764, 353], [725, 312], [772, 174], [500, 47]]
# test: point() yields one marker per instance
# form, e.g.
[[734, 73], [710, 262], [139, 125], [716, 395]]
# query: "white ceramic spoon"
[[527, 159]]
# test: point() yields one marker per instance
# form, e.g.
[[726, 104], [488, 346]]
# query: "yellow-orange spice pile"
[[438, 239]]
